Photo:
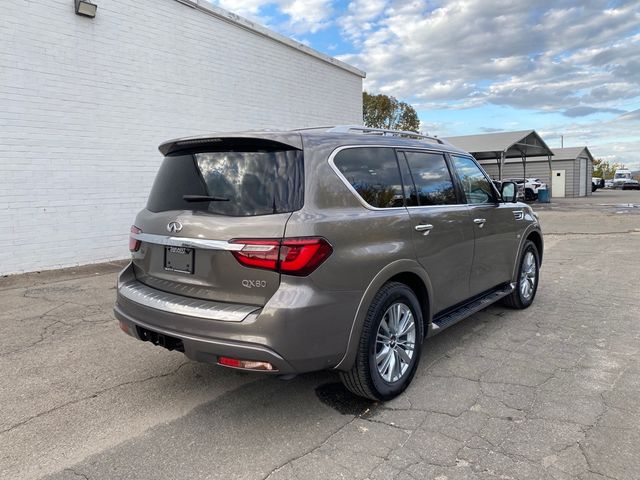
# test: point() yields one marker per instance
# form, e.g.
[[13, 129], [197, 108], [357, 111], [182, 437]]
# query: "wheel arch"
[[536, 238], [405, 271], [533, 234]]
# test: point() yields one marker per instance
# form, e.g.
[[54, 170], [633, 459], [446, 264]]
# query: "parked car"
[[630, 184], [529, 187], [608, 184], [621, 177], [340, 249], [596, 183]]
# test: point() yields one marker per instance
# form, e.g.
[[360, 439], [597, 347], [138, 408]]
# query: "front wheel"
[[389, 349], [528, 275]]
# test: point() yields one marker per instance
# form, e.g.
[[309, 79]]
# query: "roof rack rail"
[[360, 129]]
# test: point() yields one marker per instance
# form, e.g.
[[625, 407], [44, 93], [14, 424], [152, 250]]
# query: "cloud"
[[616, 140], [307, 15], [633, 115], [584, 111], [360, 18], [300, 16], [564, 58], [552, 55]]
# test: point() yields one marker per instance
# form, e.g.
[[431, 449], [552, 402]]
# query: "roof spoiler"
[[266, 138]]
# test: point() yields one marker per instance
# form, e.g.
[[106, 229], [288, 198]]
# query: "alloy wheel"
[[528, 276], [395, 342]]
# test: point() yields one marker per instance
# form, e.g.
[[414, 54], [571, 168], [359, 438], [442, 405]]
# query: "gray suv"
[[336, 248]]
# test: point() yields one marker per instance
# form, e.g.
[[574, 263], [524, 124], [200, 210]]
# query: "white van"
[[623, 179]]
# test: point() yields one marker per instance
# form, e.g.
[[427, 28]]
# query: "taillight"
[[258, 253], [134, 243], [301, 256], [293, 256]]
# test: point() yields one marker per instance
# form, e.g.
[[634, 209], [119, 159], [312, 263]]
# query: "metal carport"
[[502, 145]]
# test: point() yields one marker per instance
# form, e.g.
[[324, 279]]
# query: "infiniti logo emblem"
[[174, 226]]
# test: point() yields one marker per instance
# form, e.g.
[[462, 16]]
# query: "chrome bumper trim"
[[149, 297], [187, 242]]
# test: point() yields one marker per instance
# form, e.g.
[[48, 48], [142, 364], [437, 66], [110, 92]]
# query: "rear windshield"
[[245, 183]]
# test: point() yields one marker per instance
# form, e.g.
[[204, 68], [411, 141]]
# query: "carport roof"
[[514, 145]]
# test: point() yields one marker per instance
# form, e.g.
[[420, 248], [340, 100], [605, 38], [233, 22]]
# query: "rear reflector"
[[293, 256], [246, 364], [124, 327], [134, 243]]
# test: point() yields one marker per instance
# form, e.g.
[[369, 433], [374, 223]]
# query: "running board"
[[451, 317]]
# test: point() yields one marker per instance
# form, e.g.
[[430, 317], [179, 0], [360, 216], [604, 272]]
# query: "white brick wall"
[[85, 102]]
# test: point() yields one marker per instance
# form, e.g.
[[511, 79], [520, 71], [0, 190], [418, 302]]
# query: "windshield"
[[244, 183], [622, 175]]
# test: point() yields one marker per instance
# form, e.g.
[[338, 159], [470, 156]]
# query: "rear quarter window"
[[373, 173], [260, 182]]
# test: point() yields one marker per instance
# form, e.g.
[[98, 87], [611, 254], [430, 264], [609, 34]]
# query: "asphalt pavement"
[[551, 392]]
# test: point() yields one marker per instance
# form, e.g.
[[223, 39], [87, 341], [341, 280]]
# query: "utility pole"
[[561, 141]]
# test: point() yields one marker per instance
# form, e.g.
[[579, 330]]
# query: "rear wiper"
[[203, 198]]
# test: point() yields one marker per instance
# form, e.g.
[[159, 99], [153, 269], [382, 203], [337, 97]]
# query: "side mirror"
[[509, 192]]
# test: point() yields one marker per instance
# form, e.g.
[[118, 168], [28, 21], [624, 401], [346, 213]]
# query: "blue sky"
[[560, 67]]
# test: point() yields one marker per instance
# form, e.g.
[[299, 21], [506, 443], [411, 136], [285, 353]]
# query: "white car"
[[529, 188], [596, 183]]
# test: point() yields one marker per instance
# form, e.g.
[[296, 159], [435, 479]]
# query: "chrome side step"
[[451, 317]]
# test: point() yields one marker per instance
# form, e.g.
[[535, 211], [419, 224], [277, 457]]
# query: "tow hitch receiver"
[[164, 341]]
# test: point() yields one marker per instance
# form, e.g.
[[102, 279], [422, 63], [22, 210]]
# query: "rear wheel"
[[390, 345], [528, 273], [529, 195]]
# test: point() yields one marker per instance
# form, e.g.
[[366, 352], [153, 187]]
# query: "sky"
[[564, 68]]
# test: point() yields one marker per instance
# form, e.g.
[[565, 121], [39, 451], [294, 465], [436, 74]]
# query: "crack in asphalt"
[[93, 395], [76, 473], [45, 331], [503, 424], [310, 450]]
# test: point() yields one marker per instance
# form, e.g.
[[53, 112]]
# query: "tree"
[[383, 111], [604, 169]]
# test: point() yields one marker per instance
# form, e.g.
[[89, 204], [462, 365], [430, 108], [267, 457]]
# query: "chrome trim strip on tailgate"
[[149, 297], [187, 242]]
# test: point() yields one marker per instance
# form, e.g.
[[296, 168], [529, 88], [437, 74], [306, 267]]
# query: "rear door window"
[[243, 183], [432, 179], [374, 175]]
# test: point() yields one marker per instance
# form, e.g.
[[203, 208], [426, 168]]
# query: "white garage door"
[[583, 177]]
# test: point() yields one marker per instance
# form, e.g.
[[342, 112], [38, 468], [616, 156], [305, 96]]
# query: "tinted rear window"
[[373, 173], [258, 182], [433, 183]]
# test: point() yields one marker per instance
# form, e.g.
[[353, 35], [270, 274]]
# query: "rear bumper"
[[206, 350], [300, 329]]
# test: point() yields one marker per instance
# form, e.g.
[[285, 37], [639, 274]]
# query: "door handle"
[[479, 221], [426, 228]]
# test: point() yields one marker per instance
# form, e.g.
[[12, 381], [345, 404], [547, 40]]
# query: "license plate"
[[178, 259]]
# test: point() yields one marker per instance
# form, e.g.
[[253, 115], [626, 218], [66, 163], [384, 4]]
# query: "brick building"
[[84, 102]]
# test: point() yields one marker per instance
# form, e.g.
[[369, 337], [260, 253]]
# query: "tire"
[[369, 378], [527, 285], [529, 195]]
